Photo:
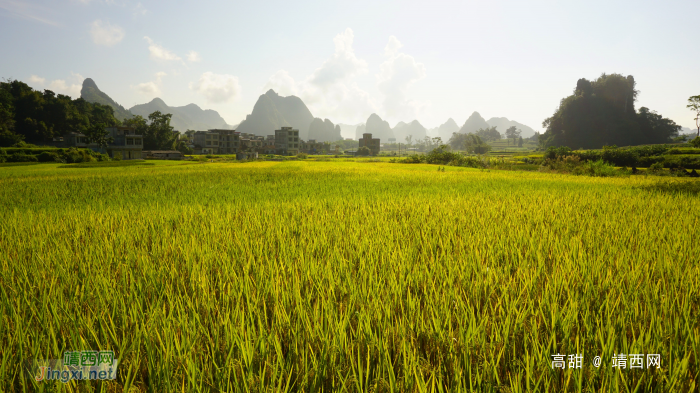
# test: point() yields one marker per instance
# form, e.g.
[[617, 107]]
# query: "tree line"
[[29, 116]]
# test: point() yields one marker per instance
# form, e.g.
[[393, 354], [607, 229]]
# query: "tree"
[[468, 142], [511, 132], [656, 128], [159, 135], [37, 117], [7, 121], [181, 146], [488, 134], [602, 112], [363, 151], [97, 133], [190, 135], [520, 142], [694, 105]]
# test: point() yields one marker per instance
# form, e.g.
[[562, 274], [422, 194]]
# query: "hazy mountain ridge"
[[474, 123], [273, 111], [414, 128], [91, 93], [446, 130], [188, 117], [377, 127], [324, 131], [502, 124]]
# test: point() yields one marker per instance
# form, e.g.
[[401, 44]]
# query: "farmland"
[[348, 275]]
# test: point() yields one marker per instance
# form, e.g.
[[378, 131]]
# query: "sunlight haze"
[[403, 60]]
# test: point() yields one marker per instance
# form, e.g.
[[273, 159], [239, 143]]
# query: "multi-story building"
[[125, 142], [269, 145], [206, 141], [216, 141], [287, 141], [251, 142], [228, 141], [371, 143]]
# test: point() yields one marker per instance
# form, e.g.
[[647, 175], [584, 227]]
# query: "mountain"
[[324, 131], [91, 93], [446, 129], [414, 128], [473, 123], [188, 117], [377, 127], [686, 130], [503, 124], [273, 111]]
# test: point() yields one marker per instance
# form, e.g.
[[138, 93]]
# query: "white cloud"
[[37, 79], [342, 65], [159, 53], [330, 90], [397, 73], [70, 87], [193, 56], [217, 88], [152, 88], [149, 89], [104, 33]]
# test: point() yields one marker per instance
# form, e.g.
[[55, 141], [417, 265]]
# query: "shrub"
[[470, 162], [621, 157], [563, 164], [363, 151], [23, 144], [554, 152], [656, 167], [413, 159], [19, 157], [302, 156], [48, 157], [598, 168], [696, 142]]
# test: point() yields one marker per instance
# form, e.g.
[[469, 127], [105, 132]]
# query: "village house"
[[371, 143], [126, 144], [287, 141], [313, 147]]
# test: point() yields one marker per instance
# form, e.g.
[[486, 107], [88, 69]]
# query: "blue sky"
[[404, 60]]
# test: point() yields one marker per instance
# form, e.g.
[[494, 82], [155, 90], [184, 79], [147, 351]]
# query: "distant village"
[[128, 145]]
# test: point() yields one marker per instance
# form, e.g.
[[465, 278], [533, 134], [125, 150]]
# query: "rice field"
[[348, 276]]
